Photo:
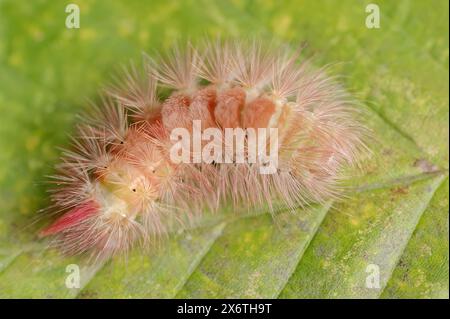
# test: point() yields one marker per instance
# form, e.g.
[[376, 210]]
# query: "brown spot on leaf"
[[401, 190]]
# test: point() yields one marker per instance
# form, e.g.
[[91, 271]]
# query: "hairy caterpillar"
[[118, 183]]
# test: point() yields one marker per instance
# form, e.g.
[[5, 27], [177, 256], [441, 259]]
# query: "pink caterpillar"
[[118, 185]]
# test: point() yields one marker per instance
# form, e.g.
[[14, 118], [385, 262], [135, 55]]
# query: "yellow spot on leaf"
[[125, 28], [15, 59], [87, 34], [282, 24], [31, 143]]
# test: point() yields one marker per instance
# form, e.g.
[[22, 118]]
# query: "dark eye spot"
[[134, 190], [121, 142]]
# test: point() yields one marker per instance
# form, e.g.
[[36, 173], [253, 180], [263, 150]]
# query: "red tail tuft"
[[71, 218]]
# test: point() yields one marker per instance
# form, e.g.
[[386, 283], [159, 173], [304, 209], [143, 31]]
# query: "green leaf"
[[423, 268], [372, 228], [397, 219]]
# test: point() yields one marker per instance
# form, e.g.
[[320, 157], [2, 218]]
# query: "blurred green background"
[[397, 218]]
